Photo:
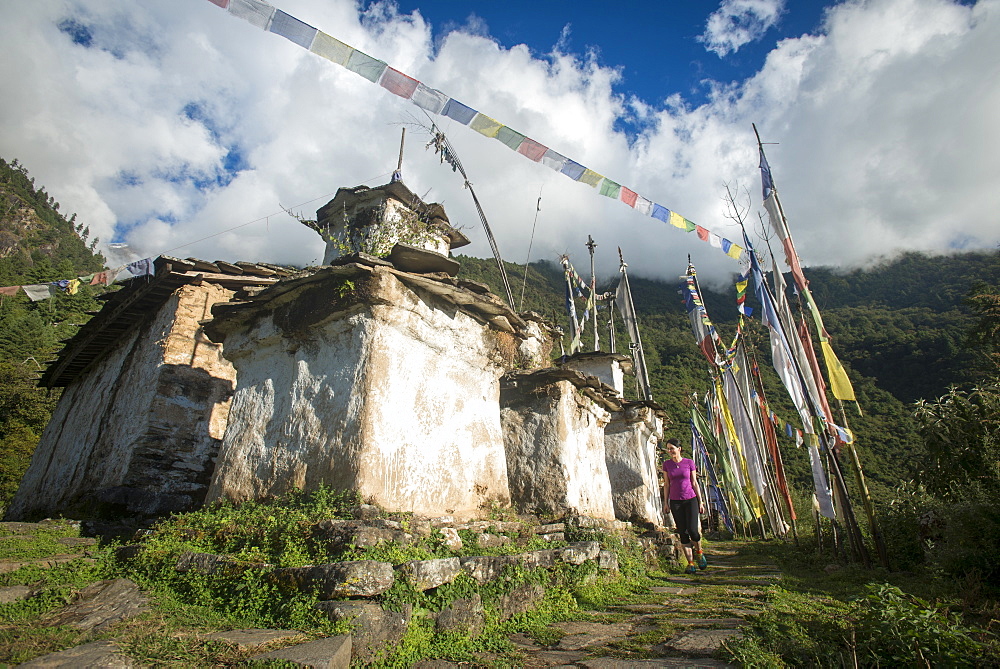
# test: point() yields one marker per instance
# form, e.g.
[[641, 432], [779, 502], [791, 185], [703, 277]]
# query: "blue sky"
[[181, 128], [657, 46]]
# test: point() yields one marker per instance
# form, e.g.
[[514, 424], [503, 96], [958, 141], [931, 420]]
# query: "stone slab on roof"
[[138, 298]]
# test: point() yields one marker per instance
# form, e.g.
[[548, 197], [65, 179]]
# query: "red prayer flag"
[[221, 3], [628, 196], [9, 290], [702, 233], [396, 82], [531, 149]]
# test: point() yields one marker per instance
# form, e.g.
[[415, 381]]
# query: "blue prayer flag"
[[461, 113]]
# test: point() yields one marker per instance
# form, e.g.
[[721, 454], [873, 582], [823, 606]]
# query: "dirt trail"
[[681, 621]]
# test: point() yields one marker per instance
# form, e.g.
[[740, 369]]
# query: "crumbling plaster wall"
[[141, 427], [630, 440], [554, 438], [395, 398]]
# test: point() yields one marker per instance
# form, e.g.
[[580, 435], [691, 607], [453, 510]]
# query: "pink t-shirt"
[[680, 478]]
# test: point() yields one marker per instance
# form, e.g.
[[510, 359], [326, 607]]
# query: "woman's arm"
[[697, 490]]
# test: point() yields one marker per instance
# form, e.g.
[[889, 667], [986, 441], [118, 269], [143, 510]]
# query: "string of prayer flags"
[[268, 18], [43, 291]]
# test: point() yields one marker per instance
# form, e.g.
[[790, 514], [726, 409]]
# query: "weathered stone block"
[[330, 653], [486, 568], [486, 540], [98, 654], [427, 574], [543, 558], [580, 552], [520, 600], [14, 593], [464, 615], [358, 578], [102, 604], [608, 560], [451, 538], [374, 628]]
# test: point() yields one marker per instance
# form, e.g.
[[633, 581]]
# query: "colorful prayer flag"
[[459, 112], [331, 48], [429, 98], [661, 213], [254, 12], [554, 160], [38, 292], [610, 189], [485, 125], [532, 150], [628, 196], [398, 83], [292, 29], [512, 138], [361, 63], [590, 177], [573, 169]]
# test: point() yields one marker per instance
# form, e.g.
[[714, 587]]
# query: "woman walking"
[[680, 492]]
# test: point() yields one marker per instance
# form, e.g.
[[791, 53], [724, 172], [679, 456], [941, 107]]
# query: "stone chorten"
[[373, 220]]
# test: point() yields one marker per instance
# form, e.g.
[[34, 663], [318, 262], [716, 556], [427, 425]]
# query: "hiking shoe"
[[702, 562], [692, 569]]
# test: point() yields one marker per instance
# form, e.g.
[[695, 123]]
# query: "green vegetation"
[[848, 616], [186, 605], [37, 245]]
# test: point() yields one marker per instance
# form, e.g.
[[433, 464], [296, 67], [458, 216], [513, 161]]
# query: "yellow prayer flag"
[[73, 287], [590, 177], [840, 385], [735, 252], [485, 125]]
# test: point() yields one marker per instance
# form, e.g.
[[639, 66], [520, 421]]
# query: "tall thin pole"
[[591, 245], [642, 376], [398, 174]]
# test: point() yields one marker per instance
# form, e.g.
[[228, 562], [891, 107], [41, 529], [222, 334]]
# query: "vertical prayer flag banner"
[[254, 12], [484, 125], [331, 48], [292, 29], [398, 83], [266, 17], [457, 111]]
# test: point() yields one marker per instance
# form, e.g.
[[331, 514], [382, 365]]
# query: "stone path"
[[681, 621]]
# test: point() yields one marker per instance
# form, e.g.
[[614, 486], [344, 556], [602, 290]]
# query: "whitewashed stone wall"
[[141, 428], [396, 398], [630, 440], [554, 439]]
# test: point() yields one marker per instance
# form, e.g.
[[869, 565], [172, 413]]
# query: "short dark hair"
[[674, 442]]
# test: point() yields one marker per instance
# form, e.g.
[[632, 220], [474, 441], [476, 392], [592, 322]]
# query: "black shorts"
[[685, 513]]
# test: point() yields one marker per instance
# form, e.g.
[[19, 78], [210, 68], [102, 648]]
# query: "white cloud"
[[884, 119], [739, 22]]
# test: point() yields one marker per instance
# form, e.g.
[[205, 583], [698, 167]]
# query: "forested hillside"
[[899, 327], [37, 245]]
